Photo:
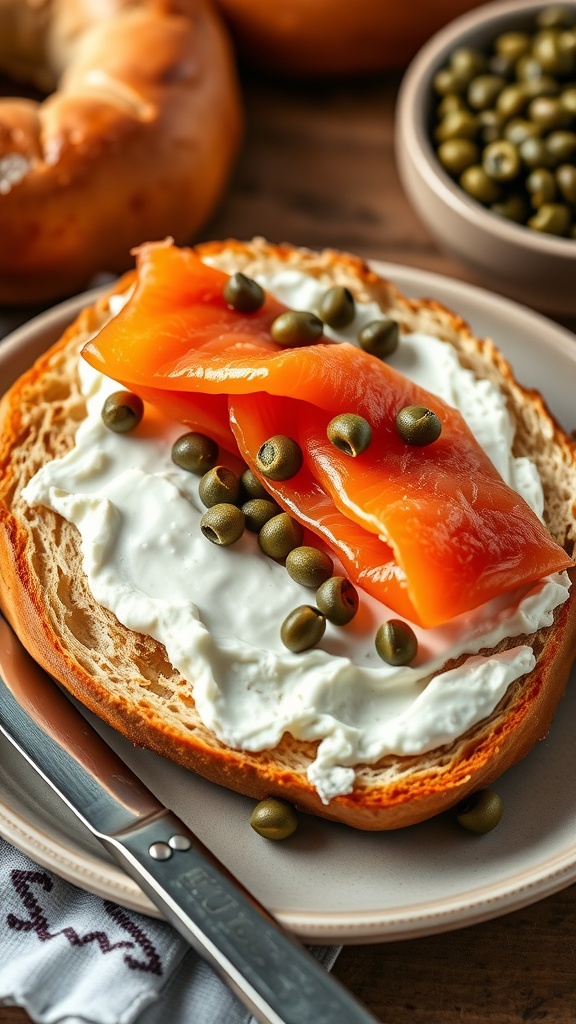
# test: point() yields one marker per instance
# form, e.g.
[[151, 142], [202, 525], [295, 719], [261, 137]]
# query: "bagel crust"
[[136, 141], [126, 679]]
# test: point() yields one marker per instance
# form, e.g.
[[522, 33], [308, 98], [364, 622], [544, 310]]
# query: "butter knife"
[[270, 972]]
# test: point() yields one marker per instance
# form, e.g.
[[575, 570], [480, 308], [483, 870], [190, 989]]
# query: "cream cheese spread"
[[218, 611]]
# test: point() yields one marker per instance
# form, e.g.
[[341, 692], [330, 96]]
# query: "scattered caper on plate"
[[481, 812], [274, 819]]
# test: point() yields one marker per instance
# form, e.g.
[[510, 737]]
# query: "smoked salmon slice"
[[430, 531]]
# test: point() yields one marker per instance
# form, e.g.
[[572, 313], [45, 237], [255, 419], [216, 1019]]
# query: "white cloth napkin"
[[68, 956]]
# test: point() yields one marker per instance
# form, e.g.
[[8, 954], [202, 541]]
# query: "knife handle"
[[269, 971]]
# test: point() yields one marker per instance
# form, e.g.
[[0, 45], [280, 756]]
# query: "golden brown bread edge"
[[125, 677]]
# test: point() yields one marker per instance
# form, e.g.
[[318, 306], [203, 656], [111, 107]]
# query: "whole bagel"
[[136, 141], [334, 37]]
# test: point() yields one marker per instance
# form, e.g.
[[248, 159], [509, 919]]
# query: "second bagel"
[[137, 140]]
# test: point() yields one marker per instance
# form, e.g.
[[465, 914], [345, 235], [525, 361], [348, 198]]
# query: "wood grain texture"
[[318, 169]]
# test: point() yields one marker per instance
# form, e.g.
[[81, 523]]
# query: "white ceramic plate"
[[329, 883]]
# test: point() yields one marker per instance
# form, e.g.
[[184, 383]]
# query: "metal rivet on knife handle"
[[179, 842], [160, 851]]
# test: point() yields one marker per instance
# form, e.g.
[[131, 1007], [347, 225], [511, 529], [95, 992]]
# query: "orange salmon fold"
[[431, 531]]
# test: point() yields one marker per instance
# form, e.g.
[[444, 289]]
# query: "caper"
[[491, 127], [222, 524], [447, 81], [567, 46], [122, 411], [459, 124], [194, 452], [295, 328], [512, 100], [560, 145], [516, 116], [534, 153], [219, 485], [308, 566], [337, 307], [456, 155], [274, 819], [466, 62], [481, 812], [568, 100], [418, 425], [479, 185], [566, 180], [243, 294], [380, 337], [251, 486], [449, 103], [528, 69], [548, 113], [552, 218], [553, 57], [396, 642], [512, 45], [279, 535], [349, 433], [258, 511], [501, 161], [302, 628], [541, 184], [484, 90], [279, 458], [338, 600]]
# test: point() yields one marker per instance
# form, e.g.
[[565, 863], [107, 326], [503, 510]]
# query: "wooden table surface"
[[318, 169]]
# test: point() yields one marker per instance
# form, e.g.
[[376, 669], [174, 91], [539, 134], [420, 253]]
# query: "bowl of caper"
[[486, 147]]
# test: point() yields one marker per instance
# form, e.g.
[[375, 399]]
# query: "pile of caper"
[[481, 812], [277, 819], [505, 123]]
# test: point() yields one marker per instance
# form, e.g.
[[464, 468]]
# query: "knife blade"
[[268, 969]]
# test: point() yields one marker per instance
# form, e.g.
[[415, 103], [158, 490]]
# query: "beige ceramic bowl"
[[527, 265]]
